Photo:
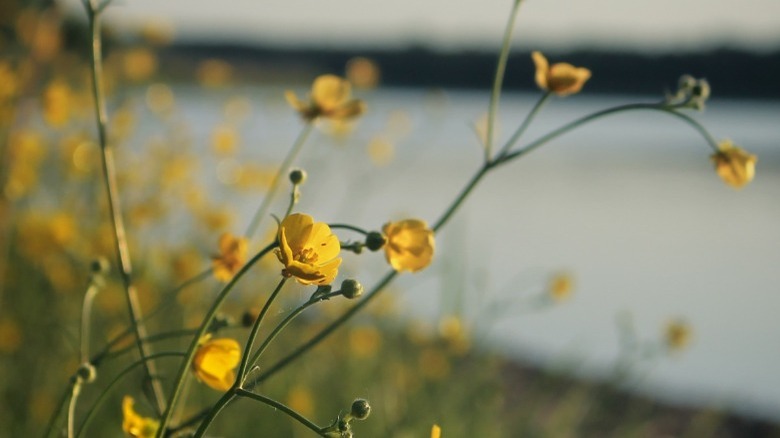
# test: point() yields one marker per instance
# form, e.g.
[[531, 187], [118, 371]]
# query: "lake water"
[[630, 205]]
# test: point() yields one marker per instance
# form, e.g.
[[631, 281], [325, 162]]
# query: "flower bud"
[[99, 266], [686, 82], [249, 317], [351, 288], [360, 409], [86, 373], [297, 176], [375, 240]]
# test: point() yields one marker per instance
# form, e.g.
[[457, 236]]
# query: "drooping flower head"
[[734, 165], [308, 250], [215, 361], [330, 98], [409, 245], [561, 78], [232, 256], [134, 425]]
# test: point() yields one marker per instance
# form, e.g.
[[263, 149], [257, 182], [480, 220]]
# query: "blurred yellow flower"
[[561, 78], [214, 73], [436, 431], [678, 335], [330, 98], [734, 165], [308, 250], [215, 361], [301, 400], [363, 72], [364, 342], [56, 103], [134, 425], [410, 244], [10, 336], [560, 286], [139, 63], [380, 151], [224, 139], [232, 256]]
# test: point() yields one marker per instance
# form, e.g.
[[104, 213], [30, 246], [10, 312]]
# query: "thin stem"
[[60, 406], [282, 325], [255, 329], [266, 204], [280, 406], [498, 80], [583, 120], [348, 227], [109, 174], [93, 410], [223, 401], [212, 312], [74, 395], [86, 311], [527, 122]]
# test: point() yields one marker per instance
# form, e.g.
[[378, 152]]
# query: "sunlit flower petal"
[[410, 244], [215, 361], [134, 425], [330, 98], [561, 78], [232, 256], [308, 250], [734, 165]]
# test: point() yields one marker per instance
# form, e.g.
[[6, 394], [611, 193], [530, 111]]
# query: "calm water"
[[630, 205]]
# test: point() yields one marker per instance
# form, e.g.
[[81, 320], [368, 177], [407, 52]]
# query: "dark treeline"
[[731, 73]]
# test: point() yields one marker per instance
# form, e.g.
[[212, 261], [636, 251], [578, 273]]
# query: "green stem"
[[212, 312], [93, 410], [348, 227], [282, 325], [609, 111], [527, 122], [250, 342], [498, 80], [280, 406], [76, 390], [60, 406], [266, 204], [223, 401], [86, 311], [112, 191]]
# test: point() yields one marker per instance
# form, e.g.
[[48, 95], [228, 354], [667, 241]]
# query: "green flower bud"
[[351, 288], [360, 409], [375, 240], [297, 176]]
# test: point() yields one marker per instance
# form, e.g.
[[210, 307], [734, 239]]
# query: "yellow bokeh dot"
[[301, 400], [364, 342], [381, 152], [159, 98]]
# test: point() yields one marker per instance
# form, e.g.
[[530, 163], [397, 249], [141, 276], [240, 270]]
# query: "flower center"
[[307, 255]]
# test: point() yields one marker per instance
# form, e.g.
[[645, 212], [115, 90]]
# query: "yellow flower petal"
[[215, 361], [410, 245], [436, 431], [308, 250], [735, 166], [232, 256], [134, 425], [330, 98], [562, 78]]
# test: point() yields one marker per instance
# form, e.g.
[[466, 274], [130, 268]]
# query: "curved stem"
[[282, 325], [86, 311], [60, 406], [255, 329], [93, 410], [266, 204], [182, 374], [72, 408], [348, 227], [498, 80], [223, 401], [523, 126], [280, 406], [109, 176]]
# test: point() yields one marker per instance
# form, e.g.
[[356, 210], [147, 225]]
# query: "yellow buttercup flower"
[[308, 250], [410, 244], [734, 165], [561, 78], [232, 256], [215, 361], [330, 98], [134, 425], [436, 431]]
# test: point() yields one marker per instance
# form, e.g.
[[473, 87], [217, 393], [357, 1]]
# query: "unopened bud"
[[86, 373], [351, 288], [360, 409], [99, 266], [297, 176], [375, 240]]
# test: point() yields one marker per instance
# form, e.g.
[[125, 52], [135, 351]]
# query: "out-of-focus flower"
[[56, 103], [26, 153], [454, 332], [561, 78], [410, 244], [435, 431], [560, 286], [434, 364], [224, 139], [139, 63], [301, 400], [8, 82], [363, 72], [734, 165], [215, 361], [364, 342], [134, 425], [214, 73], [678, 335], [157, 32], [380, 151], [160, 99], [10, 336], [232, 256], [308, 250], [330, 98]]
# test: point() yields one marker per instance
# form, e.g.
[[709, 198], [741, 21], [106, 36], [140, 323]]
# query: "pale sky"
[[655, 24]]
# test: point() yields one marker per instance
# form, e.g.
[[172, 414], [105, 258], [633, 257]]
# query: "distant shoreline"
[[731, 72]]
